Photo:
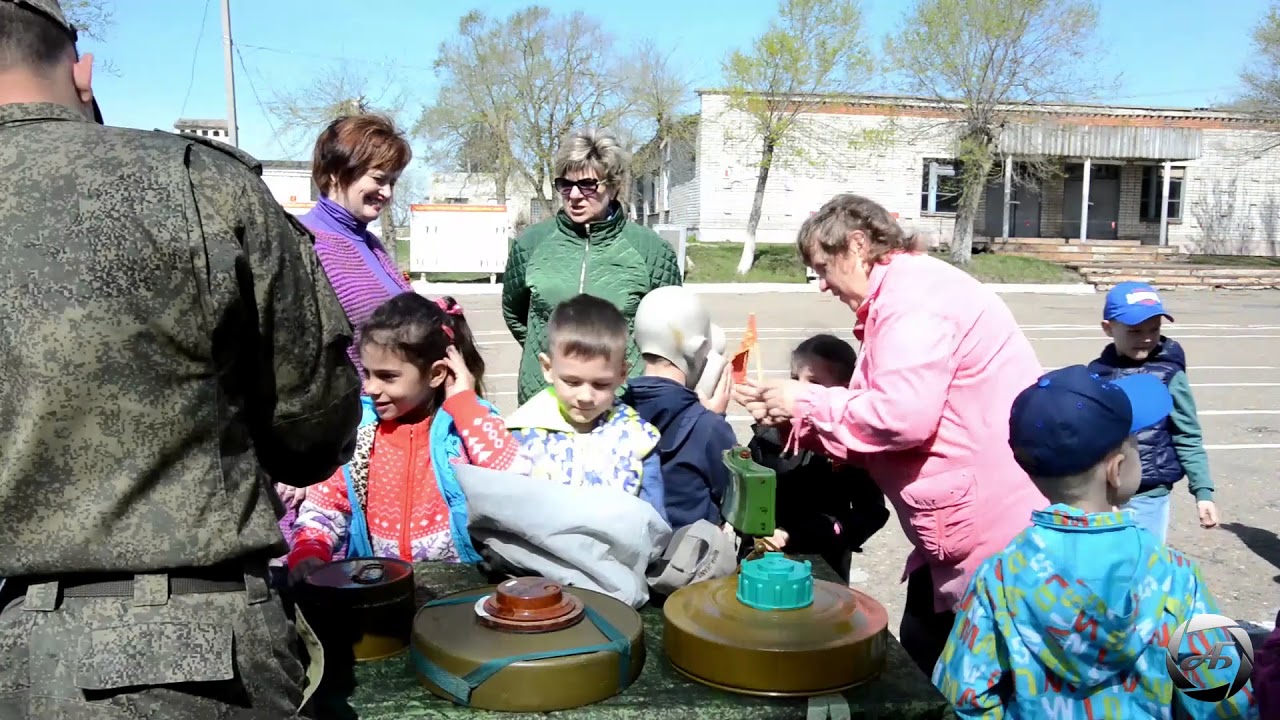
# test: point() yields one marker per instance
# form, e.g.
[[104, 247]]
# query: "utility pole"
[[233, 129]]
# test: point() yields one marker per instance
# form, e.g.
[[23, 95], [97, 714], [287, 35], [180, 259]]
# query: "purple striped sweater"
[[358, 267], [362, 275]]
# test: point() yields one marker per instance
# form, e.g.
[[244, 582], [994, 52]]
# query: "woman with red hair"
[[355, 165]]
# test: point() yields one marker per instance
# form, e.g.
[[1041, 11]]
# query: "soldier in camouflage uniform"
[[167, 337]]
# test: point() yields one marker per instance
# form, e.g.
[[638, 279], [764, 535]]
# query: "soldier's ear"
[[82, 77]]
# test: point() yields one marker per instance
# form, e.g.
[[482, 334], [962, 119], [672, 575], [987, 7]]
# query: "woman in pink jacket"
[[927, 411]]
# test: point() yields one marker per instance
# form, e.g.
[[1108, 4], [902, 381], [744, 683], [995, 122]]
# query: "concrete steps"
[[1173, 276], [1106, 263], [997, 242], [1094, 251]]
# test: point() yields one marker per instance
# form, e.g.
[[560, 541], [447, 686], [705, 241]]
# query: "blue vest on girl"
[[1160, 464]]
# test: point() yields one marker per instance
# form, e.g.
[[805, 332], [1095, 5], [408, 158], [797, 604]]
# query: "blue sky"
[[1172, 53]]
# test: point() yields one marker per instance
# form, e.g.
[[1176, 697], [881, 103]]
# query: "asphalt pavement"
[[1232, 341]]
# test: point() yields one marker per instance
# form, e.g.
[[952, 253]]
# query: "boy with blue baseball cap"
[[1073, 617], [1132, 317]]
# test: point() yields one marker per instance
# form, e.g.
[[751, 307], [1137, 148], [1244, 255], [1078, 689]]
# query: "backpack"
[[697, 552]]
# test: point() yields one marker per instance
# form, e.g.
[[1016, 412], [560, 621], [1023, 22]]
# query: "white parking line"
[[1178, 336], [747, 420], [1216, 413], [1196, 385], [1198, 368], [846, 335]]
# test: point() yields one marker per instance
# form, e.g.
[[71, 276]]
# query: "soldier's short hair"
[[29, 40], [588, 327], [354, 145]]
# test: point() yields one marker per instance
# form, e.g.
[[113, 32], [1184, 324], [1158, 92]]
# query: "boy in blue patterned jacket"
[[1073, 618], [577, 431]]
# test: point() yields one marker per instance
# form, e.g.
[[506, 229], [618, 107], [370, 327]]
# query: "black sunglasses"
[[587, 186]]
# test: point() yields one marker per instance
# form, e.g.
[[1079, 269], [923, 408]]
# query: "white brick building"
[[1223, 189], [479, 188], [215, 129]]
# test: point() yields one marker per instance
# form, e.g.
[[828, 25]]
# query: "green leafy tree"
[[989, 60], [1262, 75], [812, 49]]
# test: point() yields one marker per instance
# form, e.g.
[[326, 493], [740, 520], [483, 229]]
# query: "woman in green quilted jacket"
[[589, 246]]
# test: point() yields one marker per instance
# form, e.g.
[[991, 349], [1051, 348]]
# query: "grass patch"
[[997, 268], [718, 263], [457, 277], [1243, 261], [402, 253]]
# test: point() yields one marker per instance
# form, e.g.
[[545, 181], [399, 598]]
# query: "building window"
[[940, 186], [457, 201], [539, 209], [1153, 189]]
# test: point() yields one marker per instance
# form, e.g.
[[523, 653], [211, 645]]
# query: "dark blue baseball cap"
[[1133, 303], [1070, 419]]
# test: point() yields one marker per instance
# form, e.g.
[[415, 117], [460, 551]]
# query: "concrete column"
[[1008, 194], [1166, 172], [1084, 200]]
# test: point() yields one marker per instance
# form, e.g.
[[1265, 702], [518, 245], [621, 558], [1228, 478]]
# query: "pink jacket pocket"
[[941, 514]]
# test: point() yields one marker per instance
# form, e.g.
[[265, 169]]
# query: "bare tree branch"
[[92, 19], [511, 88], [336, 92], [660, 95]]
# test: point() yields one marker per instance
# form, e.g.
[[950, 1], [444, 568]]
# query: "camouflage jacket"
[[167, 339]]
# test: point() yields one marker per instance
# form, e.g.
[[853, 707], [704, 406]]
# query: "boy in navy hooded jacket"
[[679, 346], [823, 507]]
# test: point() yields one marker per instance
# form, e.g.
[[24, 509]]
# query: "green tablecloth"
[[388, 689]]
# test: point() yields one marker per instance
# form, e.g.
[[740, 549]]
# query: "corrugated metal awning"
[[1117, 142]]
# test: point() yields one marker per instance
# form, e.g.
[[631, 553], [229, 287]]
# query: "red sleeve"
[[489, 444], [306, 548], [326, 506]]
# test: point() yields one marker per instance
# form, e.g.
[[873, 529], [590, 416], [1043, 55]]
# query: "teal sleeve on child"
[[1188, 441], [973, 662]]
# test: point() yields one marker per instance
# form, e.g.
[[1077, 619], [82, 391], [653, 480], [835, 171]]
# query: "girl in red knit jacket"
[[399, 497]]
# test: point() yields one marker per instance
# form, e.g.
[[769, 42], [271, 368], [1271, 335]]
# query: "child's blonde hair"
[[588, 327]]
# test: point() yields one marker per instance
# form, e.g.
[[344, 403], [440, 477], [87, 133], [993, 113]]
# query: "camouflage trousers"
[[224, 656]]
